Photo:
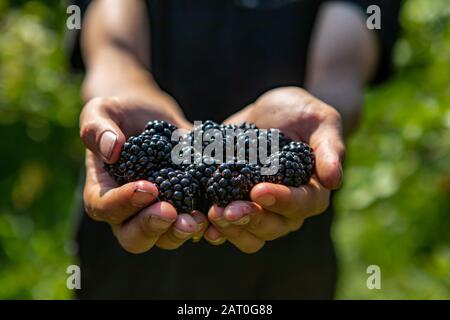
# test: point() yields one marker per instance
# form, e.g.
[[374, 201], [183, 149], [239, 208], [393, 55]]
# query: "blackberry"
[[256, 177], [177, 187], [292, 169], [284, 140], [305, 152], [246, 125], [140, 156], [159, 127], [202, 171], [225, 127], [243, 138], [206, 132], [209, 124], [192, 185], [231, 181], [254, 140], [297, 147]]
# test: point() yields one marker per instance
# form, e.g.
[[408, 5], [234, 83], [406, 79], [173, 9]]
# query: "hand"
[[136, 220], [276, 210]]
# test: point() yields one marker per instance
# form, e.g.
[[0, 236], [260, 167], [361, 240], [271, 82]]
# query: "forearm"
[[342, 59], [344, 95], [117, 59], [116, 74]]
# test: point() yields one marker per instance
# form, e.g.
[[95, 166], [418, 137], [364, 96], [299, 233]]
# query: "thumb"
[[99, 130], [329, 152]]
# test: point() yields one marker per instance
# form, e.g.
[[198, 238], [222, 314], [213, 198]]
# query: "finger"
[[141, 232], [292, 203], [241, 238], [99, 130], [329, 151], [213, 236], [263, 224], [105, 201], [182, 230], [202, 222]]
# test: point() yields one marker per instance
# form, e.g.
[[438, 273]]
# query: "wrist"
[[135, 88]]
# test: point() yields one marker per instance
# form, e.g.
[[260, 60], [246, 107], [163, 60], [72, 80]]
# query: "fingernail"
[[142, 197], [199, 227], [107, 141], [220, 219], [267, 200], [219, 240], [236, 212], [160, 222], [199, 220], [181, 234], [221, 222], [242, 221]]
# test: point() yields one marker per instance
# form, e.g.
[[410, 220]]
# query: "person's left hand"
[[276, 210]]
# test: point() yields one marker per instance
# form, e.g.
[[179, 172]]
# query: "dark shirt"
[[215, 57]]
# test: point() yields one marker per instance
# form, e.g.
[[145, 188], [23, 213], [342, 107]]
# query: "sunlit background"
[[393, 210]]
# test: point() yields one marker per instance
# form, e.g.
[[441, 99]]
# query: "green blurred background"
[[393, 210]]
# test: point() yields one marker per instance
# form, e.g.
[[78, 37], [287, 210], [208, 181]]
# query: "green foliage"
[[392, 211], [41, 151]]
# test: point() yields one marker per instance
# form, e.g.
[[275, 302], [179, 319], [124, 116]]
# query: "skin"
[[122, 96], [342, 59]]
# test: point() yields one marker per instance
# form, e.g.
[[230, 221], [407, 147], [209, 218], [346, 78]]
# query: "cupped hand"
[[137, 220], [276, 210]]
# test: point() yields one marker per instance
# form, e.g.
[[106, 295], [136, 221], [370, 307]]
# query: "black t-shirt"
[[228, 52], [215, 57]]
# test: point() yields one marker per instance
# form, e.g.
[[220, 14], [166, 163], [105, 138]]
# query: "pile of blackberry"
[[209, 179]]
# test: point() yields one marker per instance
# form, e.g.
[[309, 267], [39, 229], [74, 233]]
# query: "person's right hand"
[[138, 222]]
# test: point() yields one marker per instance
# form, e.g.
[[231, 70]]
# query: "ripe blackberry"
[[225, 127], [253, 140], [177, 187], [206, 132], [196, 185], [231, 181], [140, 156], [209, 124], [257, 177], [161, 128], [292, 169], [297, 147], [284, 140], [247, 125], [305, 152], [202, 171]]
